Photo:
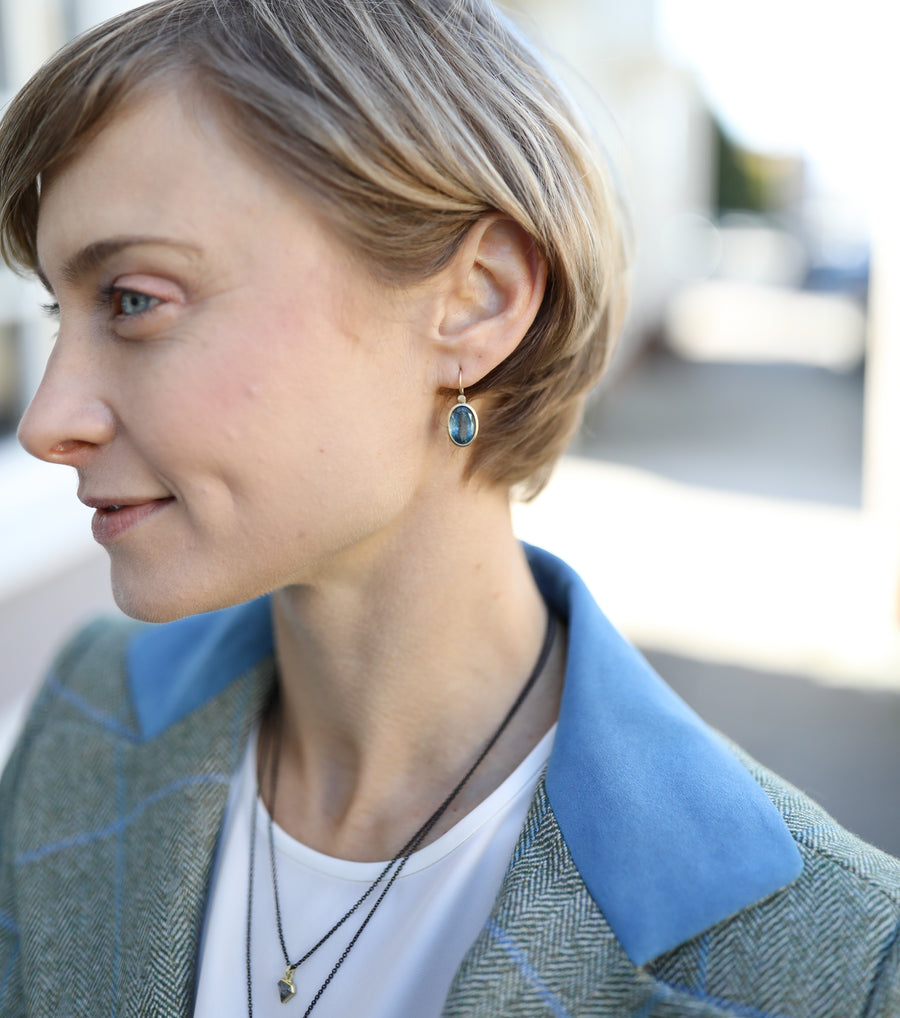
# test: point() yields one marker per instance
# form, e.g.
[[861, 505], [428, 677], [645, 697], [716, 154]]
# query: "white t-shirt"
[[404, 961]]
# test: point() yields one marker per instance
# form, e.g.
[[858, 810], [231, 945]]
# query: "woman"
[[333, 279]]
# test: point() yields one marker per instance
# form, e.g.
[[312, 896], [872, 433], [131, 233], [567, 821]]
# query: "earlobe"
[[495, 287]]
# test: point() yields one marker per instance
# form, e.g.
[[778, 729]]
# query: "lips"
[[113, 520]]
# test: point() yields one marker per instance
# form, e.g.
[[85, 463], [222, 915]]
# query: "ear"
[[493, 288]]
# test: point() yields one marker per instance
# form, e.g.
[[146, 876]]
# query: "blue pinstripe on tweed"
[[112, 726], [106, 859], [526, 969], [118, 827]]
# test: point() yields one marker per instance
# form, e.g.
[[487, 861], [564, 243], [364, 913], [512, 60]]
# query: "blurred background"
[[734, 496]]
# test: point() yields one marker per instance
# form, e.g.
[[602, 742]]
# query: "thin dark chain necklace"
[[391, 871]]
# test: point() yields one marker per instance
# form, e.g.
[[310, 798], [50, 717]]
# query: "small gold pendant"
[[286, 988]]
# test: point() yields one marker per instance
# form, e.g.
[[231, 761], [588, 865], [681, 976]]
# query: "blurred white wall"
[[655, 125]]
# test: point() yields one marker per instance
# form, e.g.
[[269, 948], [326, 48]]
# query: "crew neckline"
[[520, 781]]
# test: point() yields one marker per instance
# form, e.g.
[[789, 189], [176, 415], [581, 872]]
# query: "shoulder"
[[84, 692], [827, 944], [87, 682], [92, 666], [118, 681], [824, 844], [85, 751], [89, 795], [85, 689], [136, 680]]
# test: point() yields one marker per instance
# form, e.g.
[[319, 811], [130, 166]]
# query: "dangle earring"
[[463, 421]]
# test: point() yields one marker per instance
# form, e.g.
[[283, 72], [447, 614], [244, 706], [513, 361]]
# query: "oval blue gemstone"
[[462, 424]]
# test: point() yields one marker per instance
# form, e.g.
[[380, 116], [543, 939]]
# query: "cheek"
[[290, 403], [212, 388]]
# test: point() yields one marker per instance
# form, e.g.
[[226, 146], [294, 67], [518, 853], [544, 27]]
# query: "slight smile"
[[112, 520]]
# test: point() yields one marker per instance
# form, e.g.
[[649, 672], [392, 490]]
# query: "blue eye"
[[131, 302]]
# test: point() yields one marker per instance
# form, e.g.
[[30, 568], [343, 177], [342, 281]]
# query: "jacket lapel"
[[670, 832], [546, 946], [115, 853], [547, 949], [172, 850]]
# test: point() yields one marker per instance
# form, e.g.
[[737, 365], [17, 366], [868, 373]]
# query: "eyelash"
[[107, 297]]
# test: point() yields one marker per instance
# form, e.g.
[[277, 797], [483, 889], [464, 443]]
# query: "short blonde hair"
[[407, 120]]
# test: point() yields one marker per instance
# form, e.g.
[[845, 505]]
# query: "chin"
[[149, 609], [147, 601]]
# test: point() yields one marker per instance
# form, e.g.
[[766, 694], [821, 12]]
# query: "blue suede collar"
[[669, 831]]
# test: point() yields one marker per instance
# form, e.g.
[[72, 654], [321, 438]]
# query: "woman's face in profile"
[[224, 372]]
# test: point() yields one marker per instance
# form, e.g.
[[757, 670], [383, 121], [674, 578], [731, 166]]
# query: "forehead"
[[164, 164]]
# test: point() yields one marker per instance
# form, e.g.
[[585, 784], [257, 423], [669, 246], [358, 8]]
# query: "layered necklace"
[[384, 881]]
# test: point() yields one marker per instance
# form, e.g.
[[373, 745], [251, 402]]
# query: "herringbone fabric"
[[826, 947], [108, 839]]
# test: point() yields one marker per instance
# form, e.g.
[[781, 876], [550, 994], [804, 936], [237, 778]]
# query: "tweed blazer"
[[659, 872]]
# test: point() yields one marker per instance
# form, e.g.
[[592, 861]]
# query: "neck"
[[396, 670]]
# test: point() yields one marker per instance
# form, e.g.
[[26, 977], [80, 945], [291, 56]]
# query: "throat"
[[347, 806]]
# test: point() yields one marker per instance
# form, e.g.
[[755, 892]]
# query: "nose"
[[67, 420]]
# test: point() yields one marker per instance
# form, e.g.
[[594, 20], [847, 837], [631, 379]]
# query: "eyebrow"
[[91, 257]]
